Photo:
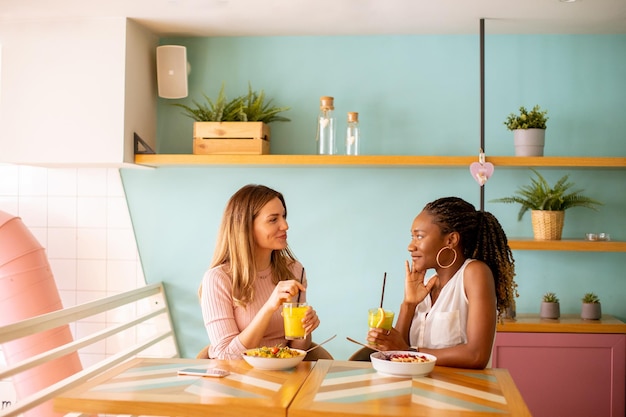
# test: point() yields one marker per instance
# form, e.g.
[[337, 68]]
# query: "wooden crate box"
[[222, 138]]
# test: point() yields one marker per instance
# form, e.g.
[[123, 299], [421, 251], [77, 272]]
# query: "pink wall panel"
[[563, 374]]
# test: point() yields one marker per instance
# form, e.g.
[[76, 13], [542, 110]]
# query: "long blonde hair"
[[235, 245]]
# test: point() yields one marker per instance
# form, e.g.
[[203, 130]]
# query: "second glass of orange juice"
[[380, 318]]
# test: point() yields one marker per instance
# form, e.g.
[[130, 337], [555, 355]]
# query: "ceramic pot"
[[549, 310], [529, 142], [510, 313], [591, 311]]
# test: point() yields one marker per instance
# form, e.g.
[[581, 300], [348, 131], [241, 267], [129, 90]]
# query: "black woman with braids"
[[452, 314]]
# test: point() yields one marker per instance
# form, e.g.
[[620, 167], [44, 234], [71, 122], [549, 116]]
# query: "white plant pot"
[[529, 142]]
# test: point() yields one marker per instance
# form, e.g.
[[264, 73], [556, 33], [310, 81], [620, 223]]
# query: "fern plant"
[[539, 195], [252, 107], [219, 111], [550, 297], [255, 108], [590, 298]]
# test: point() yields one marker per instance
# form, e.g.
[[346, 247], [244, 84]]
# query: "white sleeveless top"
[[444, 324]]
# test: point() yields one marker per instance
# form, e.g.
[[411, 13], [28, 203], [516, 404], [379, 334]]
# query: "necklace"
[[264, 273]]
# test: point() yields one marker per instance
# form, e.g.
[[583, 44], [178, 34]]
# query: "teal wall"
[[416, 95]]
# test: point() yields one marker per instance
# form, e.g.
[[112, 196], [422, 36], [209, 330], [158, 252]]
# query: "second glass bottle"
[[352, 134]]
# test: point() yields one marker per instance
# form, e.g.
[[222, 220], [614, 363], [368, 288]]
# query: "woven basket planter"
[[547, 225]]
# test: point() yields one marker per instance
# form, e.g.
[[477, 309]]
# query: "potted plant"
[[237, 126], [529, 130], [550, 307], [591, 308], [548, 204]]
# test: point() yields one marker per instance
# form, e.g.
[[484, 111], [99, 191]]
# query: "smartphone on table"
[[210, 372]]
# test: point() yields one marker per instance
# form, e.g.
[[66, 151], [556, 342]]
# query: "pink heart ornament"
[[481, 172]]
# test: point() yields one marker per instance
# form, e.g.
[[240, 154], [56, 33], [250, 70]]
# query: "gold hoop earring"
[[439, 254]]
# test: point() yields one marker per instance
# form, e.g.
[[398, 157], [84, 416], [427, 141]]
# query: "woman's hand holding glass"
[[386, 339], [311, 321]]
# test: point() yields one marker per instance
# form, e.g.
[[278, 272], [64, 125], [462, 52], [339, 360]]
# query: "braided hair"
[[482, 238]]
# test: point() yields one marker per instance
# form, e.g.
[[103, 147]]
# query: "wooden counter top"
[[568, 323]]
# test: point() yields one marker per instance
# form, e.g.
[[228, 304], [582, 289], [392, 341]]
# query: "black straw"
[[301, 278], [383, 294]]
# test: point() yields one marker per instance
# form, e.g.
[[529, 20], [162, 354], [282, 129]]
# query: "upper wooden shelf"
[[378, 160], [567, 245]]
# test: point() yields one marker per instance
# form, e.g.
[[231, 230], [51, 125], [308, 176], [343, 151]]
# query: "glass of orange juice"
[[293, 313], [380, 318]]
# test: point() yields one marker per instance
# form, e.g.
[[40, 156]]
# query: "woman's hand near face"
[[283, 293], [414, 288]]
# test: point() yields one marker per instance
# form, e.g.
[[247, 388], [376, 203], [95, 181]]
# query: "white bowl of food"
[[403, 363], [275, 358]]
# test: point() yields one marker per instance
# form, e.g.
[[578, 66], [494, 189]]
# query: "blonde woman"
[[253, 272]]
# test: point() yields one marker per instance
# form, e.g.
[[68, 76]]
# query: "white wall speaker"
[[172, 71]]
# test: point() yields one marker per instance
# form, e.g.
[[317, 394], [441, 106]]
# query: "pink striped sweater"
[[224, 320]]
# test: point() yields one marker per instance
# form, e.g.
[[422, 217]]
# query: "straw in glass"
[[301, 278]]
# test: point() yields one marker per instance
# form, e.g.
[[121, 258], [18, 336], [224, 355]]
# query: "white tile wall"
[[81, 217]]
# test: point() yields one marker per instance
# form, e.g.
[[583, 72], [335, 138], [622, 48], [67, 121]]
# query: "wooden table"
[[147, 386], [355, 389]]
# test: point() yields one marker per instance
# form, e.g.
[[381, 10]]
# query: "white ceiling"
[[338, 17]]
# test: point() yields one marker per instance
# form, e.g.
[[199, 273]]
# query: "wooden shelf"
[[567, 323], [377, 160], [558, 161], [567, 245], [305, 160]]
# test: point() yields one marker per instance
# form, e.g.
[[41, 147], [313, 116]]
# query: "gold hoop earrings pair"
[[439, 254]]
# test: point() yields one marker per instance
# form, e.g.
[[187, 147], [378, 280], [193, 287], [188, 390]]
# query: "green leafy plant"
[[550, 297], [252, 107], [255, 108], [539, 195], [534, 119], [590, 298]]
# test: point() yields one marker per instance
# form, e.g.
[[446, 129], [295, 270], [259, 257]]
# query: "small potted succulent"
[[529, 130], [591, 308], [550, 307]]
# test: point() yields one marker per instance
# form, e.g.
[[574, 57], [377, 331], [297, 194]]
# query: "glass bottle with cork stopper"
[[326, 143], [352, 134]]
